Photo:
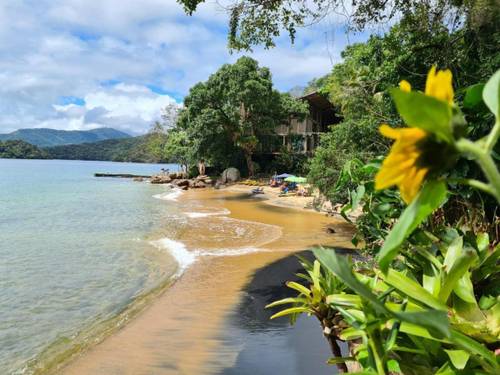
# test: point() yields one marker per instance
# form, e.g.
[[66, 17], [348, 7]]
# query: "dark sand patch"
[[274, 346]]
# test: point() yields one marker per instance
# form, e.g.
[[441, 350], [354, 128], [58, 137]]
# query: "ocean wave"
[[171, 195], [186, 258], [196, 215], [178, 250], [230, 252]]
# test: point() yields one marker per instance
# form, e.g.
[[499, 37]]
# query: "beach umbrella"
[[298, 180], [284, 175]]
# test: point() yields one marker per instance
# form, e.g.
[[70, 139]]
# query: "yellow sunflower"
[[439, 85], [406, 165], [401, 167]]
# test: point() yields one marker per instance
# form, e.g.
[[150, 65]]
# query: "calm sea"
[[75, 251]]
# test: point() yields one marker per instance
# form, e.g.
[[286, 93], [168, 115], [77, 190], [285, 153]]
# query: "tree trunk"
[[335, 348], [248, 158]]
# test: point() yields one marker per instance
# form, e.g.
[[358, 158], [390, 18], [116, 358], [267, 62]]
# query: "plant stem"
[[378, 351], [487, 188], [482, 155], [493, 136]]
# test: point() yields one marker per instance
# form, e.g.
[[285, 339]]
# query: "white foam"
[[171, 195], [230, 252], [196, 215], [178, 250], [186, 258]]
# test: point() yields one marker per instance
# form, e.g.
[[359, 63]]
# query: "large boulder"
[[182, 182], [160, 179], [230, 175], [199, 184]]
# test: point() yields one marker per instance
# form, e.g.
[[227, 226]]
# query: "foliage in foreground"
[[430, 301], [359, 86]]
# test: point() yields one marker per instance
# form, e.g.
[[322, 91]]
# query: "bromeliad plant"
[[431, 304]]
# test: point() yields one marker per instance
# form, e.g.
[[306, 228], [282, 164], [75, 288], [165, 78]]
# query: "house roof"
[[318, 100]]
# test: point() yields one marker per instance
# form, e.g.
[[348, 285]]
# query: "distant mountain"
[[50, 137], [133, 149]]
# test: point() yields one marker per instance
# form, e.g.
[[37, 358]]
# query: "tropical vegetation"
[[133, 149], [228, 119], [416, 153], [20, 150], [428, 301]]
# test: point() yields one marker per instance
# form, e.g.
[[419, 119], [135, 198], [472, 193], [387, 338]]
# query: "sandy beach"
[[182, 331]]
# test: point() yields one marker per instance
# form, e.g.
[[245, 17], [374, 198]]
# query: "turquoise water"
[[74, 250]]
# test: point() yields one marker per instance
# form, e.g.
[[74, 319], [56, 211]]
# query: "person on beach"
[[201, 167]]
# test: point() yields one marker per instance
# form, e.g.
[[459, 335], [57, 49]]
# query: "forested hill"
[[50, 137], [134, 149], [20, 150]]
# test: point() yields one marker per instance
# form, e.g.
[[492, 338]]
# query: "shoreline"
[[147, 341]]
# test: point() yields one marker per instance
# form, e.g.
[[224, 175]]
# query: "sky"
[[84, 64]]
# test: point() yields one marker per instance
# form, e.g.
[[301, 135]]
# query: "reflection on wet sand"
[[180, 332]]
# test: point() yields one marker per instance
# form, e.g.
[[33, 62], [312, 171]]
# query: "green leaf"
[[393, 366], [431, 197], [425, 112], [397, 348], [446, 369], [435, 321], [351, 333], [299, 288], [285, 301], [291, 310], [412, 289], [482, 242], [419, 331], [458, 358], [486, 302], [349, 300], [356, 197], [491, 94], [457, 271], [336, 360], [472, 346], [341, 267], [473, 95], [453, 252], [465, 290]]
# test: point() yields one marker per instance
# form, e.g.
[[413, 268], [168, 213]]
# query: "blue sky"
[[81, 64]]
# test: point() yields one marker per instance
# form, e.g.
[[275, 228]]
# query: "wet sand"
[[182, 332]]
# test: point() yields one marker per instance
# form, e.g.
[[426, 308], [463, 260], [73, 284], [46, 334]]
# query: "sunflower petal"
[[405, 86]]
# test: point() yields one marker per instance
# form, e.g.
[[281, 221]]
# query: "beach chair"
[[259, 190]]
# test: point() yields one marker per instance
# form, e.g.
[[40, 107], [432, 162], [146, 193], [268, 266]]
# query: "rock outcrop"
[[230, 175], [179, 180], [160, 179]]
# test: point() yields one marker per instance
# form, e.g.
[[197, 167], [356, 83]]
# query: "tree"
[[179, 149], [359, 88], [17, 149], [233, 110], [157, 138], [254, 22], [169, 115]]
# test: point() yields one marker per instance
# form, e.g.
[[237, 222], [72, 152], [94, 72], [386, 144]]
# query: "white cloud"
[[131, 108], [52, 49]]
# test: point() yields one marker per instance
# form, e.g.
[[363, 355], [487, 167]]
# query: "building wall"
[[302, 136]]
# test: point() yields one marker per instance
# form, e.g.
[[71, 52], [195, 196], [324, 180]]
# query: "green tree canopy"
[[225, 117], [255, 22]]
